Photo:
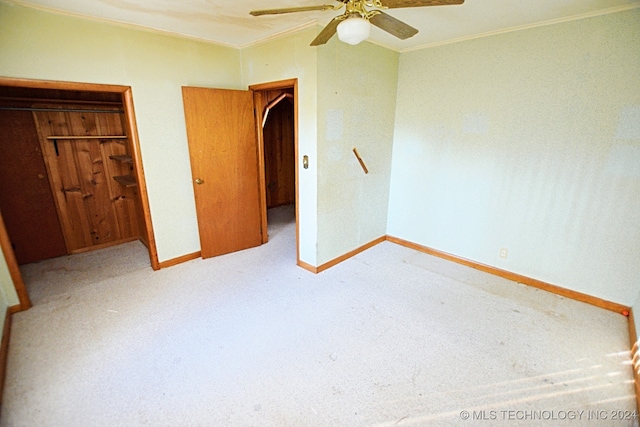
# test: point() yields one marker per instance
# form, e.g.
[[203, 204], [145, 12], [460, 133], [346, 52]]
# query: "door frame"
[[259, 105], [132, 131]]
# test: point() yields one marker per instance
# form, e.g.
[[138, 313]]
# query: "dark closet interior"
[[67, 182], [279, 148]]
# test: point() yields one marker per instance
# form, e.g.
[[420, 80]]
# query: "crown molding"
[[527, 26]]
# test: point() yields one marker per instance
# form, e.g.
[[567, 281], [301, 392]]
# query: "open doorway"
[[276, 120], [241, 166], [55, 133]]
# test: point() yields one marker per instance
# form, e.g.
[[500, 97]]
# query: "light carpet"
[[389, 337]]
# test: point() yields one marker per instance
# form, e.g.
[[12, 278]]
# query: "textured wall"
[[356, 104], [528, 141]]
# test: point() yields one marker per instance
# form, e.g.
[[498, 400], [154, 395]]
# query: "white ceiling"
[[228, 21]]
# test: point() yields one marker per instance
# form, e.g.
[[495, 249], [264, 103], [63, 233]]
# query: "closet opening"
[[71, 173]]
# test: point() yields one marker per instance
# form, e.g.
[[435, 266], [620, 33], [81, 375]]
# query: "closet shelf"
[[126, 180], [87, 137], [122, 159]]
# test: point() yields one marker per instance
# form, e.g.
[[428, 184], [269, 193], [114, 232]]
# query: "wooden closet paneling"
[[94, 208], [279, 152]]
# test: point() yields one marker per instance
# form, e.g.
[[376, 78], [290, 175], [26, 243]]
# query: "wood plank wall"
[[94, 209], [279, 151]]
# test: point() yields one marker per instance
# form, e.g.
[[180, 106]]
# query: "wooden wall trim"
[[633, 333], [349, 254], [60, 85], [104, 245], [341, 258], [179, 260], [307, 267], [635, 355], [296, 155], [558, 290], [280, 84], [4, 346], [127, 100]]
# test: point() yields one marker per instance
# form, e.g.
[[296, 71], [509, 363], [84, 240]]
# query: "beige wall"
[[347, 100], [528, 141], [356, 106]]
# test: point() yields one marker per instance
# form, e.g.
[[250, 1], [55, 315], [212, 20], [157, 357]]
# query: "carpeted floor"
[[388, 337]]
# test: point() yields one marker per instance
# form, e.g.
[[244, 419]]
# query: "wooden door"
[[224, 164], [25, 196]]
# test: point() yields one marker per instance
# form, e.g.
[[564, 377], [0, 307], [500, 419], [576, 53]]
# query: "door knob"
[[199, 181]]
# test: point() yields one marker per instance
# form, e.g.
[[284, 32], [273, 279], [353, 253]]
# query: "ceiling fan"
[[353, 25]]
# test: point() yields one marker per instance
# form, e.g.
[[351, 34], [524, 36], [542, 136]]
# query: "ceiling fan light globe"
[[354, 30]]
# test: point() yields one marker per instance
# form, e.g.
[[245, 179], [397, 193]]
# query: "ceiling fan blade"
[[292, 9], [393, 26], [328, 31], [392, 4]]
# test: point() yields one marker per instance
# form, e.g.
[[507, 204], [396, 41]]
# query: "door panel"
[[25, 196], [224, 159]]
